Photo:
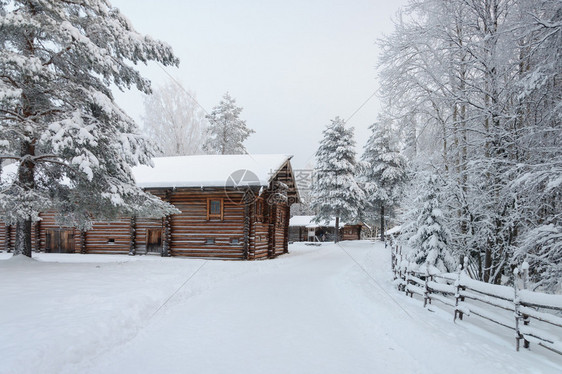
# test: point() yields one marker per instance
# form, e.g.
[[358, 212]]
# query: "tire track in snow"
[[375, 281], [391, 342], [176, 291]]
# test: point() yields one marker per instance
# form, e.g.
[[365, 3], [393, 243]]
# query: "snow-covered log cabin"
[[304, 228], [232, 207]]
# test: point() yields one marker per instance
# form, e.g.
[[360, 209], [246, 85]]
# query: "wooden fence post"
[[426, 298], [408, 282], [517, 306], [526, 320], [458, 297], [399, 263], [517, 313], [393, 252]]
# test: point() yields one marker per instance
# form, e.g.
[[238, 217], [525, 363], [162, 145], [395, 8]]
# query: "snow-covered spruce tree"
[[335, 191], [227, 132], [431, 238], [174, 121], [72, 146], [383, 173]]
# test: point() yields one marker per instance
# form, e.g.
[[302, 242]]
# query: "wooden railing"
[[535, 317]]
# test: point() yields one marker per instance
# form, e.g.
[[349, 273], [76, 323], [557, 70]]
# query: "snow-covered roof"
[[394, 230], [308, 221], [9, 171], [210, 170]]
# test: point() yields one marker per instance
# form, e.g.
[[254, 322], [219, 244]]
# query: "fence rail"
[[535, 317]]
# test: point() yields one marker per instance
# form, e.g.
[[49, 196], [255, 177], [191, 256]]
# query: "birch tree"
[[174, 120], [479, 81]]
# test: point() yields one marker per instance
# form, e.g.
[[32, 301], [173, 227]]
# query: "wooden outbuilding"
[[232, 207], [304, 228]]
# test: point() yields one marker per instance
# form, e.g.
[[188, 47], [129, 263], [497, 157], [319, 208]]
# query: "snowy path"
[[290, 318], [313, 311]]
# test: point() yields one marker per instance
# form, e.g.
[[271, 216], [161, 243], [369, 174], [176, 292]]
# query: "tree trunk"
[[382, 223], [487, 264], [26, 180], [337, 233], [23, 238]]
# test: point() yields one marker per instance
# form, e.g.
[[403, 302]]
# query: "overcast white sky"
[[291, 64]]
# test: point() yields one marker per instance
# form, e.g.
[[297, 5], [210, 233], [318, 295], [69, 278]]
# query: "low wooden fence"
[[535, 317]]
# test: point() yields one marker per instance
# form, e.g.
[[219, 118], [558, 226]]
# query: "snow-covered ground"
[[320, 309]]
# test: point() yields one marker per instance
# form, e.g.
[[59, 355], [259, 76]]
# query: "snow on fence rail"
[[535, 317]]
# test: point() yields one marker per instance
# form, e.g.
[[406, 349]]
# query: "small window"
[[234, 241], [215, 208], [210, 241], [111, 241]]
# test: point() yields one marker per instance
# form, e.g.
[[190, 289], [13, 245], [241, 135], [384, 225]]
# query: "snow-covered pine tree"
[[72, 145], [227, 132], [383, 173], [335, 191], [431, 236]]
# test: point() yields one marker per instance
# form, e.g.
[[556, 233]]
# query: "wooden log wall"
[[105, 237], [194, 235], [167, 227], [4, 245], [191, 233], [108, 237], [261, 240], [259, 230], [12, 237], [142, 226], [38, 233], [286, 218], [35, 236], [271, 216], [48, 223], [351, 232], [281, 225], [296, 233]]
